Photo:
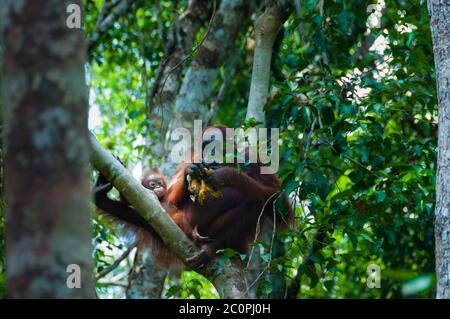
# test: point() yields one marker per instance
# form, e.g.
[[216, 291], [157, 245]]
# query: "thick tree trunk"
[[228, 278], [266, 29], [209, 57], [146, 277], [192, 102], [439, 11], [48, 237], [168, 81]]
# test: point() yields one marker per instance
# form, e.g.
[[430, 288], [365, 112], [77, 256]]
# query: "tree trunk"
[[168, 79], [267, 26], [146, 277], [439, 11], [192, 102], [48, 238], [266, 29]]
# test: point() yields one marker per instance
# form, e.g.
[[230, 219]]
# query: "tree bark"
[[228, 279], [266, 29], [168, 80], [439, 11], [146, 277], [46, 152], [192, 102]]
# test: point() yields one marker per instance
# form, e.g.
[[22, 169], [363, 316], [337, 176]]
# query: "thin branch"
[[228, 279], [107, 22], [123, 284], [274, 229], [177, 45], [190, 54], [258, 226], [104, 11], [101, 188], [115, 264]]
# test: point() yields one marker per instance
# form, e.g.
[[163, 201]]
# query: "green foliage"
[[358, 141], [190, 285], [226, 254], [362, 151]]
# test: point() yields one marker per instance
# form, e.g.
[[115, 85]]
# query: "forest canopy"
[[352, 90], [357, 113]]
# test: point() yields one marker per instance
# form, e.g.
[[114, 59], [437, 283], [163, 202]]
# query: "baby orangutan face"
[[157, 184]]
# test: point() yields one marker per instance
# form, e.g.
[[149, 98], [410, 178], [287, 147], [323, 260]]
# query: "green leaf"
[[310, 271], [328, 115], [317, 258], [311, 5], [353, 238], [378, 244], [380, 197], [290, 184], [172, 291], [133, 114], [196, 282], [411, 37], [195, 292], [367, 237], [265, 287], [328, 284], [417, 285]]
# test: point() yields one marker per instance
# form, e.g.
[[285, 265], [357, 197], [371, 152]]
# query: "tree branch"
[[115, 264], [192, 102], [167, 80], [145, 202], [177, 49], [266, 29], [228, 279], [107, 22]]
